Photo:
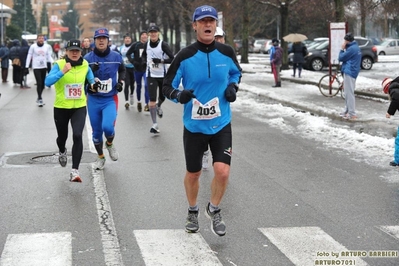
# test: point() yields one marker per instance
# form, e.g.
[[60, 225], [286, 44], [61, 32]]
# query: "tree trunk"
[[284, 32], [245, 30], [363, 14], [339, 11]]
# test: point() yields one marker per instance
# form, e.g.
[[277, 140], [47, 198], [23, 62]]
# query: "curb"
[[361, 93]]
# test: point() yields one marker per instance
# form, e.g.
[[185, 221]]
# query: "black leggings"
[[78, 118], [40, 75], [154, 88], [129, 83]]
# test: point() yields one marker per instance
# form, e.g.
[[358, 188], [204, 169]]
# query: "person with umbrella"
[[298, 49]]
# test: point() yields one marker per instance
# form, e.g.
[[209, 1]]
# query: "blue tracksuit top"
[[111, 66], [208, 70], [351, 59]]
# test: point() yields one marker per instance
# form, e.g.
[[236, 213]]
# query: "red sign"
[[63, 29]]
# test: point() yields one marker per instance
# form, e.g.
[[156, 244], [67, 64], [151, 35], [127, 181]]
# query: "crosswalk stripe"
[[43, 249], [308, 245], [391, 230], [174, 248]]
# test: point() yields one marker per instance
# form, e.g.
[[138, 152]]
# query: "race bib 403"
[[206, 111]]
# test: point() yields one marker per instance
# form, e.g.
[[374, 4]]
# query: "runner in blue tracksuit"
[[102, 105], [209, 73]]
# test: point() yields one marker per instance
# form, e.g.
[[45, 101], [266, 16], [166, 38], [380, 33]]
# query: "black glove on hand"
[[94, 87], [156, 60], [119, 86], [185, 96], [230, 92], [94, 67]]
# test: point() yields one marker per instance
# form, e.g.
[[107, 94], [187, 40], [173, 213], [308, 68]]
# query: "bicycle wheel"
[[324, 85]]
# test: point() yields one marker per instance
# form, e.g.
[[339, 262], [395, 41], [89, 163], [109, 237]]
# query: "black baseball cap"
[[153, 28], [73, 45]]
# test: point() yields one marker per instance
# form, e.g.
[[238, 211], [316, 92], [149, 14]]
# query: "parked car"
[[237, 46], [257, 45], [318, 55], [264, 49], [388, 47], [316, 42]]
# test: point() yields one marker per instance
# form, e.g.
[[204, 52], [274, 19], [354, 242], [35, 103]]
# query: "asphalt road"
[[290, 200]]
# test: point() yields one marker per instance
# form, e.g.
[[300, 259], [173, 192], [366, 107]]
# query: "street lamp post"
[[76, 22], [76, 27]]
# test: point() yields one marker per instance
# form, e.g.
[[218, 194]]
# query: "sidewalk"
[[303, 93]]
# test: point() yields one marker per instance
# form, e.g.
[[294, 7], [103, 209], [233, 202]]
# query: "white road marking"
[[174, 248], [391, 230], [109, 237], [305, 245], [42, 249]]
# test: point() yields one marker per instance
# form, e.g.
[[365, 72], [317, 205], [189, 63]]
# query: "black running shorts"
[[195, 144]]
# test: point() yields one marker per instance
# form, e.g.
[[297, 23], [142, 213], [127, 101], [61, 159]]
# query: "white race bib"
[[73, 91], [206, 111], [106, 85]]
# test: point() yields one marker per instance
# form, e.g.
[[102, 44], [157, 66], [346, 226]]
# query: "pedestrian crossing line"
[[391, 230], [174, 248], [41, 249], [307, 245]]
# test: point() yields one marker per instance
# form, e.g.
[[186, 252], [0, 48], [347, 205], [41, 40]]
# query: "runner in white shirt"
[[39, 55]]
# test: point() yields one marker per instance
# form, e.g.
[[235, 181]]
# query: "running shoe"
[[343, 114], [131, 99], [217, 225], [99, 164], [113, 153], [40, 102], [350, 117], [159, 112], [154, 129], [205, 159], [127, 105], [139, 108], [192, 222], [393, 163], [146, 108], [74, 176], [63, 158]]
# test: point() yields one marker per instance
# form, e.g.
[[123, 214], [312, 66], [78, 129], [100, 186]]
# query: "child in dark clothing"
[[391, 87]]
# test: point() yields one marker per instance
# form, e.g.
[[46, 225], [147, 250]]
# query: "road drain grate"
[[53, 158]]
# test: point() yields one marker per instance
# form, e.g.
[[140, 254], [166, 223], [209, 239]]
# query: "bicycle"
[[331, 84]]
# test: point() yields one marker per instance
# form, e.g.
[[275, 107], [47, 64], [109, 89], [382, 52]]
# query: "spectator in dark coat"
[[15, 61], [299, 50], [4, 59], [23, 53]]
